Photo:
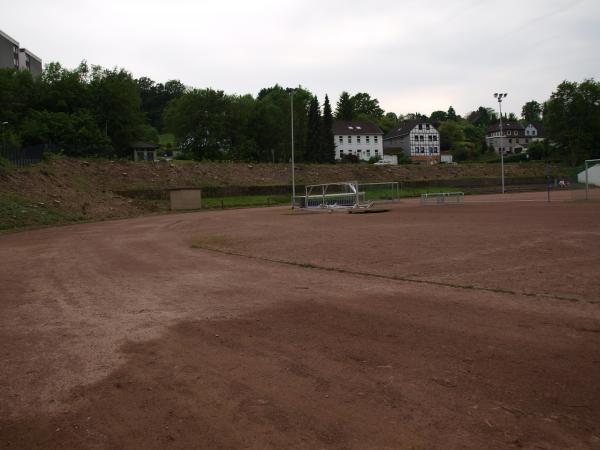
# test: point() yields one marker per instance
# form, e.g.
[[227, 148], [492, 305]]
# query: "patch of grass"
[[245, 201], [17, 212]]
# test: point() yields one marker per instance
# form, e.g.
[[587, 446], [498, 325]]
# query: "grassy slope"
[[68, 190]]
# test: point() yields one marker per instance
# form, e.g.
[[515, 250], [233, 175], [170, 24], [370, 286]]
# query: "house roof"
[[352, 128], [405, 128], [506, 126], [144, 146]]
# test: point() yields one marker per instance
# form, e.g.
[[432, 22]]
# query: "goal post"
[[343, 195], [442, 198]]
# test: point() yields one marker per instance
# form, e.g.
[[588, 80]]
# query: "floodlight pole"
[[293, 166], [500, 97]]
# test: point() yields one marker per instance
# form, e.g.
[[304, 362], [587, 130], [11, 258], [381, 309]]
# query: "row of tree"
[[92, 111]]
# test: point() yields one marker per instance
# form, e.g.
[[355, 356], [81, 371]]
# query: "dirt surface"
[[465, 326]]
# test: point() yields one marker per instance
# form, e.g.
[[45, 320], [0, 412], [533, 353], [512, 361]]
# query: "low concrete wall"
[[182, 199]]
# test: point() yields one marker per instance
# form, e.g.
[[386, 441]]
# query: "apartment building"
[[14, 57]]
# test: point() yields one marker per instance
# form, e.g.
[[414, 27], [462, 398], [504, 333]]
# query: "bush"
[[352, 159], [374, 159]]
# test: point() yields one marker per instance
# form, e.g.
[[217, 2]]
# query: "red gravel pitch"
[[474, 326]]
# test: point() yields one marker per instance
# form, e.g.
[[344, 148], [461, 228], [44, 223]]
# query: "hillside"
[[69, 190]]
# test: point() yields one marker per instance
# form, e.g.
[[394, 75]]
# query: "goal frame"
[[324, 197]]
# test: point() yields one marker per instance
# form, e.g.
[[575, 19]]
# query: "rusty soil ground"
[[457, 326]]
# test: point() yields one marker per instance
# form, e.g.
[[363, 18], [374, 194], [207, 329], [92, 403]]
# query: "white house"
[[534, 132], [417, 139], [361, 139], [510, 140]]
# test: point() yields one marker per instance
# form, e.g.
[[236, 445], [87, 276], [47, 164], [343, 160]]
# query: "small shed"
[[185, 198], [446, 157], [144, 151]]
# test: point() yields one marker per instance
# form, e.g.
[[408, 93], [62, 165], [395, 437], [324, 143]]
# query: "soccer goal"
[[441, 198], [590, 177], [342, 195], [388, 191]]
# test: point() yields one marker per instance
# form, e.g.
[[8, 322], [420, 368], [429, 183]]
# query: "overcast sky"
[[414, 56]]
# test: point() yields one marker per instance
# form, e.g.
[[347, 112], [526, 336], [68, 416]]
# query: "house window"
[[349, 139], [376, 152], [341, 152], [341, 139], [368, 139], [427, 126], [435, 137], [430, 138], [368, 152], [358, 139], [430, 150], [376, 139], [420, 126], [422, 137], [510, 141]]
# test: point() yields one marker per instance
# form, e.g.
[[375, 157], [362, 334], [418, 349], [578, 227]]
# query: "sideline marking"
[[394, 277]]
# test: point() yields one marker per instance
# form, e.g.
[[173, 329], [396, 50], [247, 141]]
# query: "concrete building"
[[28, 61], [14, 57], [513, 141], [9, 52], [417, 139], [361, 139]]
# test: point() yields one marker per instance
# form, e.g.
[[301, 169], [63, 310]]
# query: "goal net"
[[442, 198], [381, 192], [334, 195]]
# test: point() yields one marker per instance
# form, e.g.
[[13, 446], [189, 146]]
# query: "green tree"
[[452, 114], [365, 108], [572, 120], [314, 133], [451, 134], [438, 116], [327, 143], [116, 99], [532, 112], [199, 120], [345, 109], [483, 117]]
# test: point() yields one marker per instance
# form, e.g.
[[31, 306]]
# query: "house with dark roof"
[[417, 139], [510, 140], [361, 139]]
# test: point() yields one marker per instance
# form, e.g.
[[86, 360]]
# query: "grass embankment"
[[18, 212]]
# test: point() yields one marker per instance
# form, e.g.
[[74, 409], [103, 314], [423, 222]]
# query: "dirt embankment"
[[68, 190]]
